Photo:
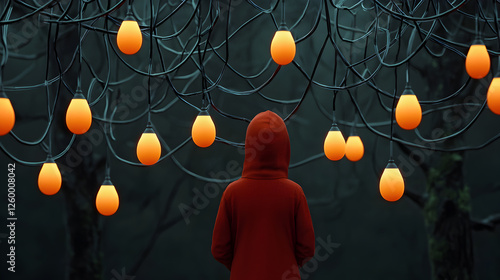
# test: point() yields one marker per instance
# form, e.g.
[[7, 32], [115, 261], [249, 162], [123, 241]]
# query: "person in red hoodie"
[[263, 230]]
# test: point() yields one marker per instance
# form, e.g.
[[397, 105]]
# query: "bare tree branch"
[[417, 158], [488, 223], [415, 197], [170, 223]]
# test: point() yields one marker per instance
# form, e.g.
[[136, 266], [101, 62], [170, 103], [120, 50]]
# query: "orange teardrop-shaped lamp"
[[334, 146], [149, 148], [477, 62], [78, 116], [203, 131], [408, 110], [129, 38], [354, 148], [49, 178], [7, 116], [392, 185], [493, 96], [283, 47], [107, 200]]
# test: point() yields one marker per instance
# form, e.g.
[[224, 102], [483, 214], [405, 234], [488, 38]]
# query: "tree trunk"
[[80, 187], [447, 212]]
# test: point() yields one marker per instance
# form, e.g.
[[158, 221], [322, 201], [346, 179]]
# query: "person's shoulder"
[[231, 187], [295, 186]]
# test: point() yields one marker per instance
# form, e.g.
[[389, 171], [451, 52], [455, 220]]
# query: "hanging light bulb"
[[392, 185], [477, 62], [49, 178], [334, 146], [129, 38], [493, 96], [7, 116], [78, 116], [408, 110], [354, 148], [107, 200], [149, 148], [283, 47], [203, 131]]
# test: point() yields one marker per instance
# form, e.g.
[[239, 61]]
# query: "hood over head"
[[267, 148]]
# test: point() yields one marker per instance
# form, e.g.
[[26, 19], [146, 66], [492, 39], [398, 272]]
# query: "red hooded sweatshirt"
[[263, 229]]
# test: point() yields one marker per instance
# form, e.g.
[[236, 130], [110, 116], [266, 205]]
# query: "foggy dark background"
[[375, 239]]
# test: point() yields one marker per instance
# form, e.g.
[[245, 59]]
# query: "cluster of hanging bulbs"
[[335, 146], [408, 114], [79, 121], [478, 66]]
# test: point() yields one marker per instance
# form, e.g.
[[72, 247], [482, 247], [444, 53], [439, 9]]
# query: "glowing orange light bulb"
[[129, 38], [354, 148], [283, 47], [392, 185], [408, 110], [78, 116], [477, 62], [334, 146], [7, 116], [203, 131], [149, 148], [49, 178], [107, 200], [493, 96]]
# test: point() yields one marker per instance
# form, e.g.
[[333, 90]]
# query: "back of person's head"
[[267, 147]]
